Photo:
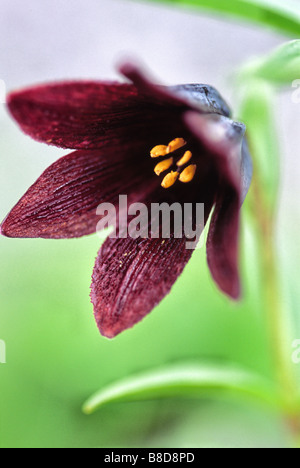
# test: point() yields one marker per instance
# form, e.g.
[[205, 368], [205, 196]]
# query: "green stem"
[[257, 110], [276, 315]]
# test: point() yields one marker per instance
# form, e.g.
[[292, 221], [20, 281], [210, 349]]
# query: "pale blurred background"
[[60, 39]]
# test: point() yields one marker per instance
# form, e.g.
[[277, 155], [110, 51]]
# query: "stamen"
[[175, 145], [170, 179], [185, 159], [159, 150], [163, 166], [185, 175], [188, 174]]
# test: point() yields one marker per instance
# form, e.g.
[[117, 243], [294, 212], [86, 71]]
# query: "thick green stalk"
[[258, 113], [276, 314]]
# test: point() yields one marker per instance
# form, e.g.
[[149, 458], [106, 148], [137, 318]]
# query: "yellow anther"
[[185, 159], [170, 179], [188, 174], [159, 150], [175, 145], [163, 166]]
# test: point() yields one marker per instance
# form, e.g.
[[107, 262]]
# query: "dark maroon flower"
[[113, 127]]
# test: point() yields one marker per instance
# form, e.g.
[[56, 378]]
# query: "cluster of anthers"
[[182, 173]]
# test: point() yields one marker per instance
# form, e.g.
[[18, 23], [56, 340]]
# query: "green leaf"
[[186, 380], [279, 15], [282, 67]]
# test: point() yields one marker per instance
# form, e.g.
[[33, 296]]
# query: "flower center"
[[184, 173]]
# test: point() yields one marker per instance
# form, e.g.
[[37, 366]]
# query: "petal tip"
[[12, 226], [108, 330], [235, 293], [108, 333], [126, 67], [231, 287], [4, 231], [13, 99]]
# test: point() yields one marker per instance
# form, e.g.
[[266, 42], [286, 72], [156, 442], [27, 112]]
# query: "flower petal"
[[246, 169], [131, 277], [201, 97], [228, 150], [223, 244], [85, 115], [223, 139], [63, 201], [89, 114]]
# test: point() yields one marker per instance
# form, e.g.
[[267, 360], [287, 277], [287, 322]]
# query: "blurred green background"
[[55, 355]]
